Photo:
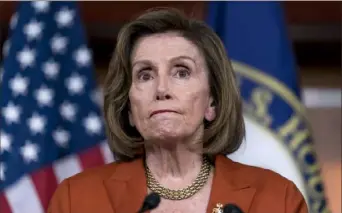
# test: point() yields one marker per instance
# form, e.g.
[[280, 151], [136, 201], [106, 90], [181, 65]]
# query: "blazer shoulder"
[[79, 188], [100, 173], [270, 187], [260, 178], [263, 176], [271, 183]]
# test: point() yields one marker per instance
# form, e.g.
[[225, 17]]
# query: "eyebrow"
[[173, 59], [184, 57]]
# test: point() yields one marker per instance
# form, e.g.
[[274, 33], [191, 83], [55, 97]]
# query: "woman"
[[173, 112]]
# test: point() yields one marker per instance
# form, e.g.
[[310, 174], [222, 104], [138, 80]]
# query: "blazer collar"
[[231, 185], [127, 188]]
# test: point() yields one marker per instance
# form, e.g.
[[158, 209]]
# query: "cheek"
[[138, 103], [196, 105], [137, 113]]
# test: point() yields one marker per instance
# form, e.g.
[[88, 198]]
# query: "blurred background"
[[315, 32]]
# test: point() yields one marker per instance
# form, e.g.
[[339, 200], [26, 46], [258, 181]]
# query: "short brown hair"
[[223, 135]]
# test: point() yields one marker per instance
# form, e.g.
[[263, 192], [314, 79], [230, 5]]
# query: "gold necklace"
[[180, 194]]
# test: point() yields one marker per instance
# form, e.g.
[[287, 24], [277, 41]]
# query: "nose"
[[162, 91], [163, 96]]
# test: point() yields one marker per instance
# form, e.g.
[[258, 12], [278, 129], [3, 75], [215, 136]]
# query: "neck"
[[176, 167]]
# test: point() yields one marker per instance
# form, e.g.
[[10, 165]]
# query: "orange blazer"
[[121, 188]]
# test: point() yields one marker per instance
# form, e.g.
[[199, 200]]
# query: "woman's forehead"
[[166, 46]]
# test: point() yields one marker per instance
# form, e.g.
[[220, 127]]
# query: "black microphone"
[[151, 202], [231, 208]]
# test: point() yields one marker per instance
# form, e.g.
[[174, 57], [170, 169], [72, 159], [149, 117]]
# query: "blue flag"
[[51, 122], [278, 135]]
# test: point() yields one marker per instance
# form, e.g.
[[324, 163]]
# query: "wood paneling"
[[120, 12], [117, 12], [313, 12], [6, 10], [320, 77], [326, 128]]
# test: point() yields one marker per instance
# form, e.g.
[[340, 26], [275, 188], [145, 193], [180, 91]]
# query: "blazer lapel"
[[127, 188], [230, 186]]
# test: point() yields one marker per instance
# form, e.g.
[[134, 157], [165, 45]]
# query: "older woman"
[[173, 112]]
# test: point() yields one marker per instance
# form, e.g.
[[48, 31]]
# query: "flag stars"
[[5, 142], [58, 44], [19, 85], [29, 152], [36, 123], [6, 48], [75, 84], [68, 111], [82, 56], [92, 124], [41, 6], [96, 97], [33, 30], [26, 57], [61, 137], [2, 171], [2, 71], [44, 96], [51, 69], [11, 113], [64, 17], [14, 21]]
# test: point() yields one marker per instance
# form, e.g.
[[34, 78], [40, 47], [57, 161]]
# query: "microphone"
[[231, 208], [151, 202]]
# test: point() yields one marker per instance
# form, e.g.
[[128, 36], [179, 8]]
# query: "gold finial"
[[218, 208]]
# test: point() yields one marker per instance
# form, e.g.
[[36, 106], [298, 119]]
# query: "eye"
[[144, 75], [182, 72]]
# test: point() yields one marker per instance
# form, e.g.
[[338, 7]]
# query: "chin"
[[167, 135]]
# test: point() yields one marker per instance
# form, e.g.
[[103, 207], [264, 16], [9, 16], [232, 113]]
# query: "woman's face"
[[169, 96]]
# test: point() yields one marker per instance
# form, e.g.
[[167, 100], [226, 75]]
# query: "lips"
[[162, 111]]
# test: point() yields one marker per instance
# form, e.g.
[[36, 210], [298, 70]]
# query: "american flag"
[[51, 123]]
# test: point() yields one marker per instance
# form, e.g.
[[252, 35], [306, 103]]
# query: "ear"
[[130, 118], [210, 112]]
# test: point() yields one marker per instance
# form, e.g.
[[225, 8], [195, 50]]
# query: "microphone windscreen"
[[152, 200], [231, 208]]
